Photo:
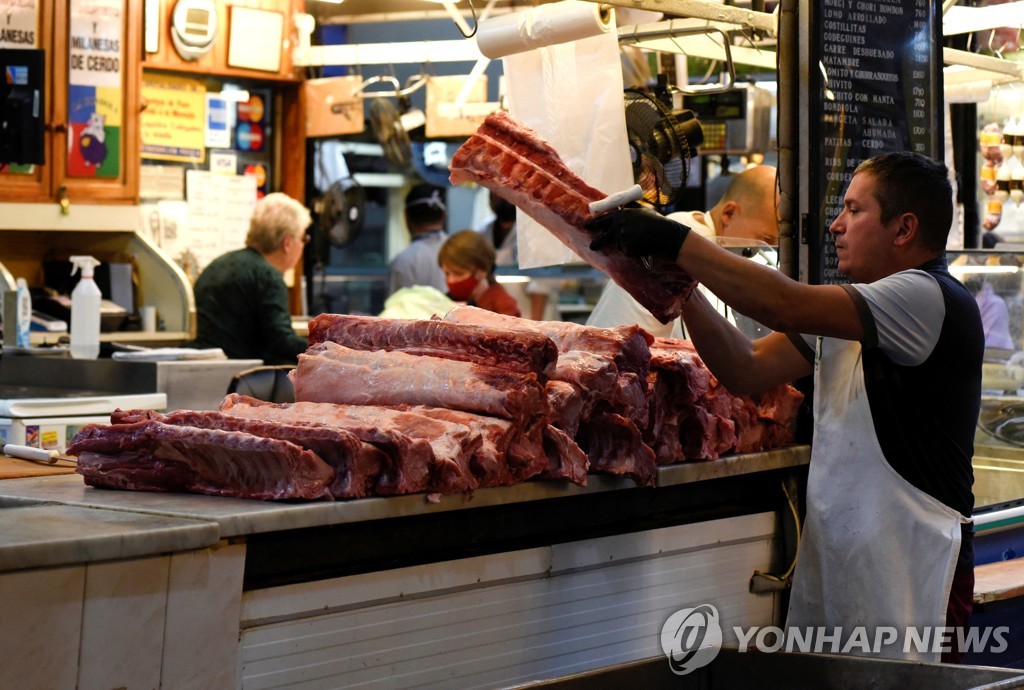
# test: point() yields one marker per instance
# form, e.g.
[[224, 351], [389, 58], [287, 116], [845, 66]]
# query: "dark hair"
[[907, 182], [425, 204]]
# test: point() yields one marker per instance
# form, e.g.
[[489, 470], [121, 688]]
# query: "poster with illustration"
[[95, 98]]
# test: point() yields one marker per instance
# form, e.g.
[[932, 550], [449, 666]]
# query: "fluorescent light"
[[508, 280]]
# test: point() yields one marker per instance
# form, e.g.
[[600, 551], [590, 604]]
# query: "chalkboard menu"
[[877, 87]]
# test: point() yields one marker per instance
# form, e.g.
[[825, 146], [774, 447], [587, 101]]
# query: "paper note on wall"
[[219, 209], [571, 94]]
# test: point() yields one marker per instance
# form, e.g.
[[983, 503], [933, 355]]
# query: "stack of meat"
[[387, 407]]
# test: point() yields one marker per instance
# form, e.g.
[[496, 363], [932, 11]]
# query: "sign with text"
[[95, 99], [878, 88], [219, 209], [19, 20], [173, 123]]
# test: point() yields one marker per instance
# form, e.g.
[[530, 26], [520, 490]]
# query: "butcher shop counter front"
[[506, 585]]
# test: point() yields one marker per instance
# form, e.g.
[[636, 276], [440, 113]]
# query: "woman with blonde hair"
[[467, 259]]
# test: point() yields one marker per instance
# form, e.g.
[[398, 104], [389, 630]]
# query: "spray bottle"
[[24, 315], [85, 310]]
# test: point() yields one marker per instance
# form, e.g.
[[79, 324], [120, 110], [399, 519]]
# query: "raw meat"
[[332, 373], [627, 346], [613, 445], [410, 458], [152, 456], [513, 160], [566, 460], [678, 360], [596, 376], [520, 351], [489, 463], [357, 464], [451, 445], [566, 403]]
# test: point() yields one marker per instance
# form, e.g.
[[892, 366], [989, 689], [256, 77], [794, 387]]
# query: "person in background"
[[995, 317], [241, 297], [467, 260], [887, 539], [425, 214], [746, 211], [500, 231]]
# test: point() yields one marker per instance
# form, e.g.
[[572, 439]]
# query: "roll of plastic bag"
[[546, 25]]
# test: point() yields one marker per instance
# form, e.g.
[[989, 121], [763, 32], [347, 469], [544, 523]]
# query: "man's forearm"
[[726, 351]]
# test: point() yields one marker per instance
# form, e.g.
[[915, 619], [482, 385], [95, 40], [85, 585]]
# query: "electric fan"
[[340, 216], [661, 144], [392, 126]]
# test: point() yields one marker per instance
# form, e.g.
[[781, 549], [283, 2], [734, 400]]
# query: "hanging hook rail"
[[418, 82]]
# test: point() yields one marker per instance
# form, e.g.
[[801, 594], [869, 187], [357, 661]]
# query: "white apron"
[[875, 550]]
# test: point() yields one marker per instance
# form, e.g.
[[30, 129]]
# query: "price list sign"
[[877, 88]]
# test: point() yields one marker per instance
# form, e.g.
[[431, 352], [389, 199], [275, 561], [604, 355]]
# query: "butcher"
[[887, 541], [425, 216], [746, 211]]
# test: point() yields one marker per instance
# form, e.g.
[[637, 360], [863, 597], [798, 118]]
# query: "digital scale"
[[48, 418]]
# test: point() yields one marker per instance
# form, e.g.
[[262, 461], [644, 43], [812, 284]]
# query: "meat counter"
[[504, 585]]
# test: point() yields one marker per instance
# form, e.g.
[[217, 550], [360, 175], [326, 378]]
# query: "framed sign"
[[877, 87], [263, 54]]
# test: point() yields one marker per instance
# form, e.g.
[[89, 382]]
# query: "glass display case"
[[996, 278]]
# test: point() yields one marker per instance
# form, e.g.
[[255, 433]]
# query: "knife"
[[50, 457]]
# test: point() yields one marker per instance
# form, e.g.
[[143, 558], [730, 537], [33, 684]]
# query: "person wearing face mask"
[[467, 260], [538, 294]]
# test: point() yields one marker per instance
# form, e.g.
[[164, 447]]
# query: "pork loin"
[[513, 160]]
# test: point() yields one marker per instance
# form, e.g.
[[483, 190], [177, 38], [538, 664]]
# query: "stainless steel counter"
[[225, 518]]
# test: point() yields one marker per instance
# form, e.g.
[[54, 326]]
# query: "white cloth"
[[616, 307], [507, 254], [417, 264], [875, 551]]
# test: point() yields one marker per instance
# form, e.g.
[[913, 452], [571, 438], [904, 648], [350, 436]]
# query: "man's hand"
[[638, 232]]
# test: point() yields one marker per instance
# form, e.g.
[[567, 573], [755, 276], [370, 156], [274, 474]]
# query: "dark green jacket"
[[242, 308]]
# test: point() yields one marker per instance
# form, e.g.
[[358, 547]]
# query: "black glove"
[[638, 232]]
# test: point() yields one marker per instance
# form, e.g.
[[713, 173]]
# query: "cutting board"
[[14, 468]]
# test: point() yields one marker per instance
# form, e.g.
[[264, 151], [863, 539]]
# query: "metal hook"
[[421, 81], [358, 91], [671, 32]]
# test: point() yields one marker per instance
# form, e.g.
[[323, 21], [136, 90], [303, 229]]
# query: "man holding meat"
[[887, 541], [746, 212]]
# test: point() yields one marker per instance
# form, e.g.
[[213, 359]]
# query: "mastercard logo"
[[251, 110], [249, 137], [257, 171]]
